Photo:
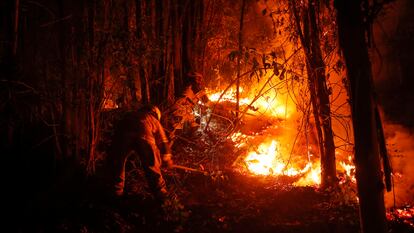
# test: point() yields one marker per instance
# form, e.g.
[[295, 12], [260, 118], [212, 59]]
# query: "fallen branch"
[[190, 169]]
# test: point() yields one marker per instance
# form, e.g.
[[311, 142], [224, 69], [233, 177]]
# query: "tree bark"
[[65, 83], [309, 38], [16, 27], [130, 77], [368, 169], [239, 57], [140, 19], [328, 171]]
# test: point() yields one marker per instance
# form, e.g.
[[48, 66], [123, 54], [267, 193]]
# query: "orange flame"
[[265, 104], [267, 158], [402, 214], [267, 161]]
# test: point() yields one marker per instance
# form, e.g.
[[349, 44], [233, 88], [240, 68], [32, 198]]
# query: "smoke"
[[392, 65], [400, 145]]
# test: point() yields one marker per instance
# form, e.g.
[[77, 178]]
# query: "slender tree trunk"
[[368, 169], [239, 57], [16, 26], [169, 28], [7, 66], [309, 38], [312, 88], [172, 30], [130, 78], [324, 109], [191, 36], [140, 20], [315, 110], [7, 20], [65, 82]]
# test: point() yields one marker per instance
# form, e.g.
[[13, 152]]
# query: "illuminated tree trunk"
[[309, 37], [130, 75], [324, 109], [368, 170], [140, 19], [96, 45], [239, 57]]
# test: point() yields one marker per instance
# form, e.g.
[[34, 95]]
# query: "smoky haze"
[[393, 64]]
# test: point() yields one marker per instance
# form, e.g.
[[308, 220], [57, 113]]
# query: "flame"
[[230, 96], [312, 177], [349, 169], [270, 156], [265, 104], [402, 214], [267, 160]]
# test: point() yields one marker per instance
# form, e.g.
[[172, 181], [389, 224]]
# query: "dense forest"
[[259, 115]]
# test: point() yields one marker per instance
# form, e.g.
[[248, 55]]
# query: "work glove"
[[167, 160]]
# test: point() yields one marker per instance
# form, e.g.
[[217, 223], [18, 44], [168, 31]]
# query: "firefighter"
[[142, 132], [182, 117]]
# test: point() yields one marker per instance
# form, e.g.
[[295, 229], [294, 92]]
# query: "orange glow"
[[404, 214], [230, 96], [266, 104], [267, 161], [269, 153], [349, 169]]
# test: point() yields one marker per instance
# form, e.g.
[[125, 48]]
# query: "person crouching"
[[142, 132]]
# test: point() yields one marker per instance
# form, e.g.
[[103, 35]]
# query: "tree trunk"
[[309, 38], [16, 26], [140, 20], [65, 83], [368, 170], [324, 109], [191, 36], [130, 77], [239, 57], [7, 19]]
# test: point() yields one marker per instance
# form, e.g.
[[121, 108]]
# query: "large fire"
[[269, 154], [267, 160], [265, 104]]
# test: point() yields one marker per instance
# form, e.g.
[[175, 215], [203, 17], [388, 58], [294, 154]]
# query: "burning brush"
[[404, 214]]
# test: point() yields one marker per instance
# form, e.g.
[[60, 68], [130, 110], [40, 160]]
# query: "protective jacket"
[[139, 131]]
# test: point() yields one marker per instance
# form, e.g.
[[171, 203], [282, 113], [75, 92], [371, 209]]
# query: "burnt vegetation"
[[296, 124]]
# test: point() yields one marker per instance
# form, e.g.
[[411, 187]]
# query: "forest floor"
[[225, 200]]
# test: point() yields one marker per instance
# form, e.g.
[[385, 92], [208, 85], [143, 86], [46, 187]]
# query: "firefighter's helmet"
[[156, 111]]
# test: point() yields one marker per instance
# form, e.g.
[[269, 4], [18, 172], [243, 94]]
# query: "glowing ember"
[[404, 214]]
